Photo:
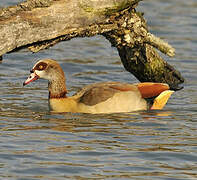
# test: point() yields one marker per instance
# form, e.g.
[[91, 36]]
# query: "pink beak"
[[31, 78]]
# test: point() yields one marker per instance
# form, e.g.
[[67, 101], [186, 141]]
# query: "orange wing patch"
[[149, 89]]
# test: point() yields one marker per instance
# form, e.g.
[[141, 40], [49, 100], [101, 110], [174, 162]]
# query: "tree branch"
[[39, 24]]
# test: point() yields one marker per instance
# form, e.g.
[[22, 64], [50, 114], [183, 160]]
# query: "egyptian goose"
[[104, 97]]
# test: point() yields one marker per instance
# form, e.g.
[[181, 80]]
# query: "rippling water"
[[35, 144]]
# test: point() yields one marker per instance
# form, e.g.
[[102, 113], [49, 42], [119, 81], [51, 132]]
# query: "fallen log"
[[39, 24]]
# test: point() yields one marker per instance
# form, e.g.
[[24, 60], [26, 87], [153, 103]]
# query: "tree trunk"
[[39, 24]]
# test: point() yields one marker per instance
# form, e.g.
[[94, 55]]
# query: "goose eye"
[[40, 67]]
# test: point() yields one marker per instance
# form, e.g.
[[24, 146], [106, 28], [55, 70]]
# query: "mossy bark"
[[39, 24], [138, 55]]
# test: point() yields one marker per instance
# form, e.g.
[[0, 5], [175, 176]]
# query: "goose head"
[[46, 69]]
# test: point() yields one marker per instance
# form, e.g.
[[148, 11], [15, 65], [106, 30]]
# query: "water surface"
[[36, 144]]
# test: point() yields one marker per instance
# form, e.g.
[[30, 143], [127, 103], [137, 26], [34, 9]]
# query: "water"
[[35, 144]]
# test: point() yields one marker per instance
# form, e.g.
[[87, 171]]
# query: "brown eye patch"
[[40, 66]]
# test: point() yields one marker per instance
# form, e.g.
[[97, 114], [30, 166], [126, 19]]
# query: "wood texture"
[[42, 20], [39, 24]]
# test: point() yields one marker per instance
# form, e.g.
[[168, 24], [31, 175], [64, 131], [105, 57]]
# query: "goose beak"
[[33, 76]]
